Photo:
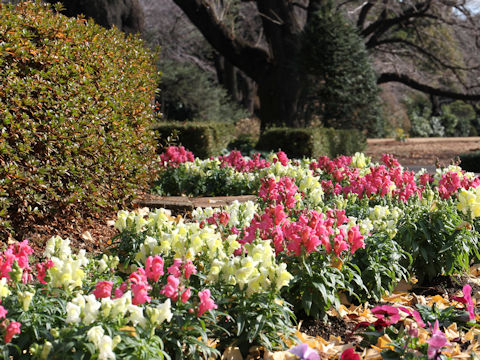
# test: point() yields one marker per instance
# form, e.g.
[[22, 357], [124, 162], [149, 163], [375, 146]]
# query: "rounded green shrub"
[[76, 115]]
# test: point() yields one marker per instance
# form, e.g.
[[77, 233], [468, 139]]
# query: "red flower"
[[350, 354], [12, 329], [389, 314]]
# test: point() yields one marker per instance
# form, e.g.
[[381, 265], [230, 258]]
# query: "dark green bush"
[[204, 139], [470, 161], [312, 142], [340, 77], [76, 110]]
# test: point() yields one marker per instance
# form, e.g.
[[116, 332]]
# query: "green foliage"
[[315, 285], [342, 87], [204, 139], [255, 319], [381, 265], [75, 101], [438, 239], [455, 119], [312, 142], [470, 161], [214, 181], [188, 93]]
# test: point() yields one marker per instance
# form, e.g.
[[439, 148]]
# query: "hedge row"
[[76, 114], [209, 139]]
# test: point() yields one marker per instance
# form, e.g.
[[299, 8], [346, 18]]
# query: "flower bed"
[[321, 232]]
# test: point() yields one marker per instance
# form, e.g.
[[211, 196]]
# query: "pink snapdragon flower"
[[103, 289], [186, 295], [170, 290], [175, 155], [12, 328], [175, 268], [154, 268], [189, 269], [206, 302], [42, 270], [3, 312]]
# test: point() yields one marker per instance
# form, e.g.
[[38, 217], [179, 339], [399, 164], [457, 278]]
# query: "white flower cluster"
[[103, 343], [241, 214], [257, 270], [385, 219], [68, 270], [86, 309], [469, 202]]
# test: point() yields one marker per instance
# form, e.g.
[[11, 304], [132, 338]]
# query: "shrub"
[[76, 109], [470, 161], [204, 139], [312, 142], [336, 61]]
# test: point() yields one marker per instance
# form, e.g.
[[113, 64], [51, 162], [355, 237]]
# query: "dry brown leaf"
[[232, 353]]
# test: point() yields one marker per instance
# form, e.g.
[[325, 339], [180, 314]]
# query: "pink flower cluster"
[[279, 192], [141, 282], [13, 260], [239, 163], [384, 179], [307, 234], [175, 155], [18, 254], [450, 183]]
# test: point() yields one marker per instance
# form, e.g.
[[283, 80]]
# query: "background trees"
[[413, 42]]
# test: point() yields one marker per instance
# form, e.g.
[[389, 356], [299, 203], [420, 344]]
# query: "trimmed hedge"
[[470, 161], [75, 105], [204, 139], [312, 142]]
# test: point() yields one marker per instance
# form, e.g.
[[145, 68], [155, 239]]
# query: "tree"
[[126, 15], [273, 62]]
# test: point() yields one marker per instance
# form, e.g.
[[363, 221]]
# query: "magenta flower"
[[154, 268], [3, 312], [206, 302], [170, 290], [140, 293], [12, 329], [350, 354], [186, 295], [415, 314], [389, 314], [189, 269], [437, 342], [175, 268], [467, 300], [103, 289], [304, 352]]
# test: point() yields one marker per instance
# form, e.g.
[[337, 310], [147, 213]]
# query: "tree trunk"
[[279, 93]]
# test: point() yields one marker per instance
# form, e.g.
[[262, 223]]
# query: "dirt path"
[[422, 151]]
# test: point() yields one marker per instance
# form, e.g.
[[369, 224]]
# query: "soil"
[[423, 151], [334, 326]]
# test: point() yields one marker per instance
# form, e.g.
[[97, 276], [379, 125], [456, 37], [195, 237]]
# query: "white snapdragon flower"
[[25, 298], [91, 309], [4, 290], [136, 315], [73, 313], [95, 335], [157, 315]]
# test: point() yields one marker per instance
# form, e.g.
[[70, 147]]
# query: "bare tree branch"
[[252, 60], [406, 80]]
